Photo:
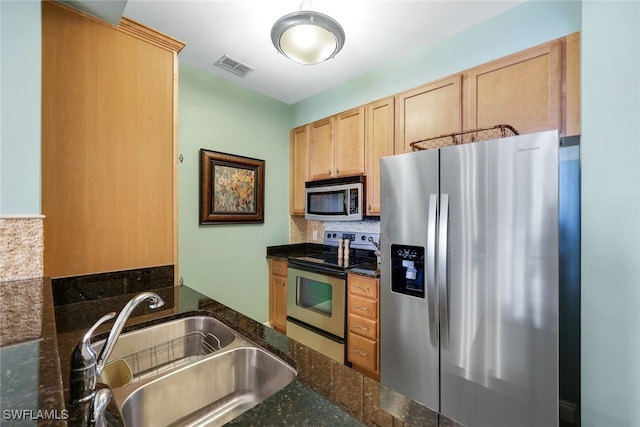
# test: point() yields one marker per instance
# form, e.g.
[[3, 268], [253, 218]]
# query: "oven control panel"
[[357, 240]]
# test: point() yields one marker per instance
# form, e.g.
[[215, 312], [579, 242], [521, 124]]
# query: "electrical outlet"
[[315, 235]]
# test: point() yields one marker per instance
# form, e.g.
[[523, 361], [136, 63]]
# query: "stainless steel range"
[[317, 291]]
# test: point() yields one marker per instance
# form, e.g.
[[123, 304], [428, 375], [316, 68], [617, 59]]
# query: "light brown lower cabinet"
[[363, 346], [278, 295]]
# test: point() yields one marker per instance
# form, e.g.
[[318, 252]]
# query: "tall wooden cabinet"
[[109, 144]]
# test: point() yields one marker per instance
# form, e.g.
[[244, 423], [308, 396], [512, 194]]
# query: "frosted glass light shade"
[[307, 37]]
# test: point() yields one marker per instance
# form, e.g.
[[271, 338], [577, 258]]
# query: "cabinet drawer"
[[363, 307], [364, 327], [363, 352], [363, 286], [279, 268]]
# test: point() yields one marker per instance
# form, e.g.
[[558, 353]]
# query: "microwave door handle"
[[346, 203]]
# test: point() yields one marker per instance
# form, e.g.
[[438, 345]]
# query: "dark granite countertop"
[[324, 393], [296, 249]]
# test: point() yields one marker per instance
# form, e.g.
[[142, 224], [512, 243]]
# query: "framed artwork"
[[231, 188]]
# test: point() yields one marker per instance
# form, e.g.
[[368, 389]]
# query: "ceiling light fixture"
[[307, 37]]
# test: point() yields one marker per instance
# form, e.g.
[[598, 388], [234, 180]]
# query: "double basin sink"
[[193, 371]]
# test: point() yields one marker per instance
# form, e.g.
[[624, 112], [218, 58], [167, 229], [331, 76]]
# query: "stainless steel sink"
[[190, 371], [158, 348], [210, 392]]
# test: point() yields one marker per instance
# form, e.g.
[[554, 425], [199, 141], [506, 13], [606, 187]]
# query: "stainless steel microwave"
[[337, 199]]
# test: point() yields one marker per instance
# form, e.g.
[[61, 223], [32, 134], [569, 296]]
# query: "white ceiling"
[[376, 32]]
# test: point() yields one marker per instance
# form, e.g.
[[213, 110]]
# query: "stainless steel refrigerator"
[[469, 280]]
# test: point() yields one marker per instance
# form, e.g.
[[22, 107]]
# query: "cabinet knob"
[[329, 171], [337, 171]]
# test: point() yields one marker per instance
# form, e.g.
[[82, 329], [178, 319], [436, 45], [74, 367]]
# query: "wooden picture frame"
[[231, 188]]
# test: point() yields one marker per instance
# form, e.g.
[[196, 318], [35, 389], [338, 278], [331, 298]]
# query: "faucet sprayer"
[[86, 367]]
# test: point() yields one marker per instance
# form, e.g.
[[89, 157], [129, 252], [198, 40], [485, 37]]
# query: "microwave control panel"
[[353, 201]]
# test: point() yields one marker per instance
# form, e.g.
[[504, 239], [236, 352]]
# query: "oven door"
[[317, 299]]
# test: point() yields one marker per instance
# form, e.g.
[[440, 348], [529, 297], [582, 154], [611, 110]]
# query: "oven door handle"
[[316, 269], [318, 331]]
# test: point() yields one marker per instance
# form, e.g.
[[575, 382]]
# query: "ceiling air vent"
[[234, 66]]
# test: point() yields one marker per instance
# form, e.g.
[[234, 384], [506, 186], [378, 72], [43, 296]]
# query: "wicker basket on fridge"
[[465, 137]]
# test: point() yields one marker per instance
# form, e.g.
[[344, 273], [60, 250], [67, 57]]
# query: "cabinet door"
[[364, 327], [363, 352], [522, 90], [349, 143], [571, 74], [279, 307], [379, 119], [278, 295], [361, 286], [363, 307], [428, 111], [298, 169], [321, 149]]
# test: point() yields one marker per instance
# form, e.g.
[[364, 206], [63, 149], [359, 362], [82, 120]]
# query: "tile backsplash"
[[21, 247], [301, 230], [21, 277]]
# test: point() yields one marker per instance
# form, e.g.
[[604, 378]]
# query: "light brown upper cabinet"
[[379, 118], [522, 90], [428, 111], [320, 152], [109, 144], [336, 145], [298, 168], [533, 90], [571, 87], [348, 158]]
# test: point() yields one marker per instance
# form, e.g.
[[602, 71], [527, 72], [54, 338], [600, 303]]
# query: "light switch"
[[315, 234]]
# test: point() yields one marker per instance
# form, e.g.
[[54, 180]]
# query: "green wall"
[[20, 68], [611, 214], [227, 262]]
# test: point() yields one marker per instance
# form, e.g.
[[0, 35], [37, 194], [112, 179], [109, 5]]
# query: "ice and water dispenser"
[[407, 270]]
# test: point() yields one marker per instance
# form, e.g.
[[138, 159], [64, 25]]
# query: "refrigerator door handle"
[[443, 272], [431, 267]]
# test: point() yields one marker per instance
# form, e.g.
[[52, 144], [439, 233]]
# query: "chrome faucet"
[[86, 367]]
